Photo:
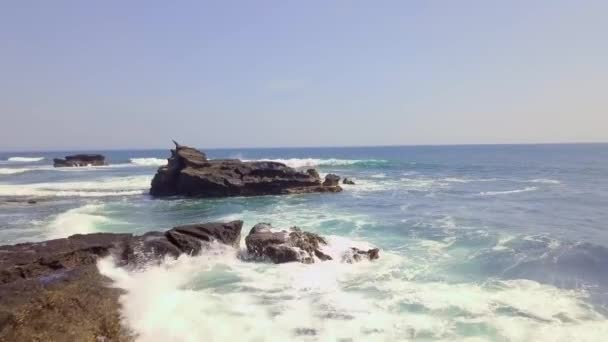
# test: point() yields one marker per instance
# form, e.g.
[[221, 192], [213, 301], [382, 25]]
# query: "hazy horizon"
[[115, 75]]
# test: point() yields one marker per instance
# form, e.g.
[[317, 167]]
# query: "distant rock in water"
[[348, 181], [80, 160], [190, 173], [331, 180]]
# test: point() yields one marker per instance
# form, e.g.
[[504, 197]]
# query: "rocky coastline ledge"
[[53, 291], [189, 173]]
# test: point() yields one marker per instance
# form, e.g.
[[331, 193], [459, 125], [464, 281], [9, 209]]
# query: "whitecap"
[[25, 159], [312, 162], [507, 192], [379, 175], [148, 161], [12, 171], [117, 186], [82, 220], [545, 181]]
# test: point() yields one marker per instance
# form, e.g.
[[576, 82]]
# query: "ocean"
[[478, 243]]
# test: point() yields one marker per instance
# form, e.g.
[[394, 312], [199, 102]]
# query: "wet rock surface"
[[189, 173], [348, 181], [80, 160], [294, 245], [52, 290]]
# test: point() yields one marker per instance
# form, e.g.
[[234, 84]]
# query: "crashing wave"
[[148, 161], [118, 186], [25, 159], [313, 162]]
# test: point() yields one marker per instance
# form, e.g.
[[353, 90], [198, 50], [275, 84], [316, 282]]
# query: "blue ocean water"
[[488, 242]]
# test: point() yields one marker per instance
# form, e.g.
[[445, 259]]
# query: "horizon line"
[[311, 147]]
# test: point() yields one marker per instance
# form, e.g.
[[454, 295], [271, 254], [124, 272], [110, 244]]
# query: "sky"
[[135, 74]]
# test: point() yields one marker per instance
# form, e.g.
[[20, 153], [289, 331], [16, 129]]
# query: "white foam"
[[217, 297], [507, 192], [11, 171], [117, 186], [379, 175], [312, 162], [148, 161], [82, 220], [545, 181], [25, 159]]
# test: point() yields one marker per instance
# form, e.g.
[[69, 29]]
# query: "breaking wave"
[[507, 192], [148, 161], [313, 162], [218, 297], [117, 186], [11, 171], [82, 220], [25, 159]]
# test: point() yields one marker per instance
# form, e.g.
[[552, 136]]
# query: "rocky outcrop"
[[331, 180], [348, 181], [52, 291], [190, 173], [284, 246], [80, 160], [356, 255]]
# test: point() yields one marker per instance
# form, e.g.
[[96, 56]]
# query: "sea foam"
[[25, 159], [218, 297], [313, 162], [116, 186], [148, 161], [81, 220]]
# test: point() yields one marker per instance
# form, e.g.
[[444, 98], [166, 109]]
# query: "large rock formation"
[[190, 173], [52, 290], [80, 160]]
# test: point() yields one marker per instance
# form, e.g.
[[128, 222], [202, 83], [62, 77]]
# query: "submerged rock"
[[284, 246], [80, 160], [348, 181], [190, 173]]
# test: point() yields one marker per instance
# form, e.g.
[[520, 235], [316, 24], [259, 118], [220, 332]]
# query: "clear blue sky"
[[127, 74]]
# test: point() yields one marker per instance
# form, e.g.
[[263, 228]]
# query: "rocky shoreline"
[[53, 291]]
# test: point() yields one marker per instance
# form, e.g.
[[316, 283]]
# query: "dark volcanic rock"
[[80, 160], [348, 181], [331, 180], [284, 246], [52, 290], [189, 173], [356, 255]]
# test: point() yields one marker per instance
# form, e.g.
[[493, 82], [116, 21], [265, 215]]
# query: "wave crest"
[[25, 159], [148, 161], [312, 162]]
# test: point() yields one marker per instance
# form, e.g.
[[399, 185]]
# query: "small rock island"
[[77, 160], [189, 173]]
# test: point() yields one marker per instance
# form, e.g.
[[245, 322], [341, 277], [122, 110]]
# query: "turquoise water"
[[505, 243]]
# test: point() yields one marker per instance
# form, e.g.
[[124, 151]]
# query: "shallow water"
[[504, 243]]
